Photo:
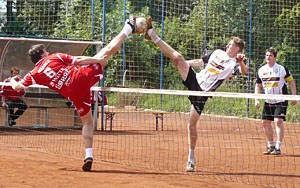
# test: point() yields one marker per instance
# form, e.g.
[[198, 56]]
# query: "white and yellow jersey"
[[219, 66], [273, 80]]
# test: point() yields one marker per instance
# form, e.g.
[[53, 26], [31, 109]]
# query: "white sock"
[[88, 153], [271, 143], [127, 30], [278, 144], [191, 156], [153, 36]]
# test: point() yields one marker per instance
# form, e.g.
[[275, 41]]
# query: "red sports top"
[[58, 72]]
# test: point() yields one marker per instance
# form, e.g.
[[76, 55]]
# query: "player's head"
[[14, 71], [235, 45], [240, 43], [272, 50], [271, 54], [37, 52]]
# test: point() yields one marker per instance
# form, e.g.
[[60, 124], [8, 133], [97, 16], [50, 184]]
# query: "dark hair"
[[272, 50], [239, 42], [35, 52]]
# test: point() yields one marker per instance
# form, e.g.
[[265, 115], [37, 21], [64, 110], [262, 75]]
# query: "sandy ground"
[[26, 168]]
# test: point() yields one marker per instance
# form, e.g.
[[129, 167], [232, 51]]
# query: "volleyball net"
[[147, 128]]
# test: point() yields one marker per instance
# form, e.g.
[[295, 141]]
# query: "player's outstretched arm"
[[195, 63], [83, 60], [16, 84]]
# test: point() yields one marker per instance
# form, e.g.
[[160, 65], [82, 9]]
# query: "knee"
[[278, 121], [178, 58], [266, 123], [87, 132]]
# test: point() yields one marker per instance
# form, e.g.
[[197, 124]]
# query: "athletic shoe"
[[276, 152], [87, 165], [131, 21], [11, 122], [139, 25], [190, 167], [269, 150]]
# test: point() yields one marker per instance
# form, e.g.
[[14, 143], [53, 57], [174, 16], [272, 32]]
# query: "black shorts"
[[192, 84], [272, 111]]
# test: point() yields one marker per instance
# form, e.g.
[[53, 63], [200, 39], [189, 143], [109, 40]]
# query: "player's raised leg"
[[177, 59], [132, 25]]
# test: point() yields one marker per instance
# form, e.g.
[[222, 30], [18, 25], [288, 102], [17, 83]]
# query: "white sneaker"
[[190, 167]]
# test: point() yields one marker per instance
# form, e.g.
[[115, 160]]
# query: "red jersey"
[[58, 72], [9, 93]]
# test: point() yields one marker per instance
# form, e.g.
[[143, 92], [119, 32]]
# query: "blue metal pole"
[[103, 70], [205, 29], [103, 22], [92, 52], [249, 59], [124, 47], [93, 19], [161, 54]]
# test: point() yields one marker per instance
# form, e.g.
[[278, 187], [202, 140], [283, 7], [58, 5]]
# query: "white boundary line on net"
[[182, 92], [51, 40], [197, 93]]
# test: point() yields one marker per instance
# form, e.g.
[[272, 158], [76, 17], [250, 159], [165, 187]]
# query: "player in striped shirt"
[[219, 66], [273, 78]]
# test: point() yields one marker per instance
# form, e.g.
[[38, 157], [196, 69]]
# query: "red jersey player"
[[12, 99], [72, 77]]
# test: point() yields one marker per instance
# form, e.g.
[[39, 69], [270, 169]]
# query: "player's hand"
[[15, 83], [240, 57], [257, 104], [293, 103], [17, 78]]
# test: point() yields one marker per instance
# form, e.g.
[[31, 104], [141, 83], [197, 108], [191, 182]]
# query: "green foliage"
[[76, 20], [192, 29]]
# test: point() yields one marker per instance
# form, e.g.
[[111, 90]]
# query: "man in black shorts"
[[273, 78], [219, 66]]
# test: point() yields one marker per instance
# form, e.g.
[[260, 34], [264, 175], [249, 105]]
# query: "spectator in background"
[[12, 100], [273, 78]]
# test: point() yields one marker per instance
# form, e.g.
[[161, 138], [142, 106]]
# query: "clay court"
[[26, 168], [134, 154]]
